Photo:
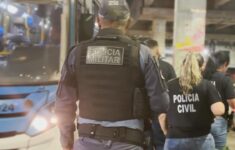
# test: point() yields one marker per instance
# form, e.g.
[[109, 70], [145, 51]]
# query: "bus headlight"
[[43, 121], [40, 123]]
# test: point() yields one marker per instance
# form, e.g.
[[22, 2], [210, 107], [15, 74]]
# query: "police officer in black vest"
[[168, 72], [116, 82], [166, 68]]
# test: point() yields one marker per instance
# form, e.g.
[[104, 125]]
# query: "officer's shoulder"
[[205, 82], [145, 48], [227, 78], [135, 39], [129, 40], [77, 46], [165, 63], [72, 49], [85, 42]]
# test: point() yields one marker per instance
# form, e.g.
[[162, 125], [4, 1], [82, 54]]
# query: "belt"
[[119, 134]]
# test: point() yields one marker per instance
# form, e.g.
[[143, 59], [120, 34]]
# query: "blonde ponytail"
[[190, 74]]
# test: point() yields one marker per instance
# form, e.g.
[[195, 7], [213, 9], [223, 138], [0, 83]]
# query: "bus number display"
[[4, 108]]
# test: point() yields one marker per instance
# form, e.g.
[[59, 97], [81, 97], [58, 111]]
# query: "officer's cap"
[[114, 10]]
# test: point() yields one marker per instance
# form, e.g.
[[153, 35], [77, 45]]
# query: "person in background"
[[194, 102], [215, 71], [167, 69], [168, 72], [110, 75]]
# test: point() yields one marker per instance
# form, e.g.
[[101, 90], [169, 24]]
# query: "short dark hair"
[[214, 62], [221, 57]]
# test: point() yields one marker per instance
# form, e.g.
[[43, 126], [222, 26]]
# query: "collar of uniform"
[[110, 31]]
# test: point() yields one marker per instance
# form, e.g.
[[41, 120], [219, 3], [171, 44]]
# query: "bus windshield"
[[29, 42]]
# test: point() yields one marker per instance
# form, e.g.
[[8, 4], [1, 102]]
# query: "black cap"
[[114, 10]]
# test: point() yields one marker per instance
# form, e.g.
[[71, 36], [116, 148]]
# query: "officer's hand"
[[163, 123]]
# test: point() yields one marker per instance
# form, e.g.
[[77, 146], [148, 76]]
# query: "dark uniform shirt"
[[167, 70], [224, 85], [168, 73], [190, 114], [67, 96]]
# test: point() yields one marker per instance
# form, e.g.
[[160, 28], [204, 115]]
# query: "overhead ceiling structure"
[[219, 3], [220, 19], [37, 1]]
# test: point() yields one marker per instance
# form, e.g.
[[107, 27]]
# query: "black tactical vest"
[[110, 81]]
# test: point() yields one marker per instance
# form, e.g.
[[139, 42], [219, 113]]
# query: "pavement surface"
[[231, 140]]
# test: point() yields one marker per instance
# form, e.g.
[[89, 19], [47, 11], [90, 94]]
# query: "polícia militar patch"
[[105, 55]]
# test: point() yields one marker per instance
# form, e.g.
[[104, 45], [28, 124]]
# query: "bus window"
[[31, 42]]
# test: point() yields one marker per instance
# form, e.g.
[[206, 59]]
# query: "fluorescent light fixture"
[[12, 9]]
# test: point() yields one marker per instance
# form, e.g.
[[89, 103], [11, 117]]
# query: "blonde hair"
[[190, 74]]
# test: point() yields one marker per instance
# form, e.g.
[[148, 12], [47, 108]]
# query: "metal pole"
[[72, 19], [64, 32]]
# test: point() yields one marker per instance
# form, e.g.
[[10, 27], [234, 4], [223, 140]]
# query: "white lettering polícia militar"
[[105, 55]]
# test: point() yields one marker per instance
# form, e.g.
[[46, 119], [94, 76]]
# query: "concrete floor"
[[231, 140]]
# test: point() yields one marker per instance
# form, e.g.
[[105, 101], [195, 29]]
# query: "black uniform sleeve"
[[229, 89], [172, 74], [167, 70], [65, 106], [158, 95], [213, 94]]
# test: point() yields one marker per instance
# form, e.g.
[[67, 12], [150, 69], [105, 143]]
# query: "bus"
[[35, 36]]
